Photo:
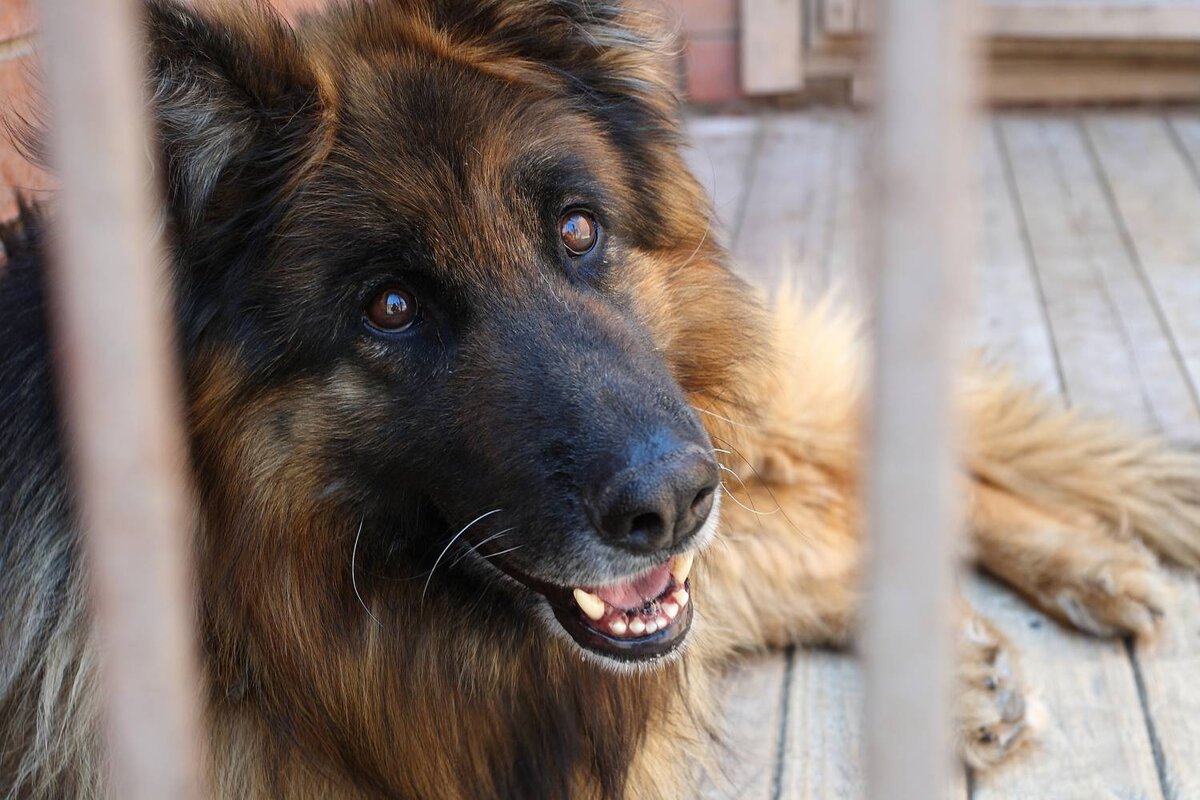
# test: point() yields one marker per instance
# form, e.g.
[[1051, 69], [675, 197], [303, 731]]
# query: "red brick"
[[706, 16], [16, 18], [712, 69]]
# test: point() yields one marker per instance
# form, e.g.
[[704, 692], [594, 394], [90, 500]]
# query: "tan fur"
[[1068, 509]]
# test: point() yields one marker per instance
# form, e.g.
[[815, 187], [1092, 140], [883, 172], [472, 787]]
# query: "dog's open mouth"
[[639, 619], [642, 618]]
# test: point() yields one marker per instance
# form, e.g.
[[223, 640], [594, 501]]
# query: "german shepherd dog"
[[464, 367]]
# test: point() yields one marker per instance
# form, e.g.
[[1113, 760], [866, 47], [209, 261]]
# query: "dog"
[[464, 368]]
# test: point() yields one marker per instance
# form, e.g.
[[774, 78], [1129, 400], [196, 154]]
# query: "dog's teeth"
[[671, 609], [592, 606], [651, 626], [681, 596], [637, 627], [618, 627], [681, 566], [662, 623]]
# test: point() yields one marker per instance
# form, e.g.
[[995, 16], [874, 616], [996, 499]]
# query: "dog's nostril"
[[649, 526], [653, 505], [647, 532]]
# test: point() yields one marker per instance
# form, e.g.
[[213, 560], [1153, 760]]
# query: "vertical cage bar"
[[920, 254], [120, 398]]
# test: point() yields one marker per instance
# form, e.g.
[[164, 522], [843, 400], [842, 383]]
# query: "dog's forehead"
[[471, 161]]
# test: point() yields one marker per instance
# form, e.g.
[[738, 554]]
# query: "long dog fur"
[[306, 698]]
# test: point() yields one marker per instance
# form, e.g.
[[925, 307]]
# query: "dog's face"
[[445, 279]]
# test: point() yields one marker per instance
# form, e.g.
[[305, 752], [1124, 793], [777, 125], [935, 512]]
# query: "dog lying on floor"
[[464, 368]]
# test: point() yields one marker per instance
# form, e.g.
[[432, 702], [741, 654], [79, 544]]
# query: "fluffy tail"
[[1024, 443]]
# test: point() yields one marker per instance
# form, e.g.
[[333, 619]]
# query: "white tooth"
[[619, 627], [662, 623], [637, 627], [681, 596], [671, 609], [681, 566], [651, 626], [592, 606]]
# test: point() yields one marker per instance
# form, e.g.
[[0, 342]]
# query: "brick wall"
[[707, 69]]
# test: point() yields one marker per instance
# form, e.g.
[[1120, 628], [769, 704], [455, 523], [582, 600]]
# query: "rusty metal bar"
[[921, 146], [119, 391]]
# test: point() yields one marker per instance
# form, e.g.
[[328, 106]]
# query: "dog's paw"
[[993, 712], [1110, 590]]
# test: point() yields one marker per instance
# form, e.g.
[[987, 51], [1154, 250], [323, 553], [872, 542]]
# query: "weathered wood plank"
[[1169, 668], [785, 227], [771, 46], [1185, 129], [1094, 742], [1163, 184], [1111, 19], [822, 755], [1095, 301], [748, 762], [720, 155], [842, 261], [1148, 181], [1011, 323]]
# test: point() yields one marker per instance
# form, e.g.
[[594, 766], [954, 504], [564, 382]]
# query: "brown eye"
[[392, 310], [578, 230]]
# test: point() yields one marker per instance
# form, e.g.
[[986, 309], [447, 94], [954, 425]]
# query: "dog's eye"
[[579, 231], [392, 310]]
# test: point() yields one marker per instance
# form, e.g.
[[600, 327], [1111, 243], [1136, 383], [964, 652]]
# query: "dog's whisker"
[[703, 239], [353, 578], [754, 511], [449, 544], [746, 489], [764, 484], [475, 547], [724, 419], [502, 552]]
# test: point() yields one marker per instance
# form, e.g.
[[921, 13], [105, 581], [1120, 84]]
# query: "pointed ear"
[[604, 50], [231, 93]]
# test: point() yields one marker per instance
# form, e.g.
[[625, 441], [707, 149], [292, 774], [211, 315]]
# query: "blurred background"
[[747, 55], [1086, 280]]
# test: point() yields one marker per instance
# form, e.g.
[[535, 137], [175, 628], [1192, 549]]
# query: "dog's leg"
[[990, 700], [778, 580], [1075, 570], [1067, 509], [1069, 463]]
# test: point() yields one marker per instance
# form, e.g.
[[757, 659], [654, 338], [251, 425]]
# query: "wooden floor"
[[1088, 282]]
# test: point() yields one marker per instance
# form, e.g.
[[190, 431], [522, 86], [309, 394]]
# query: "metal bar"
[[923, 74], [119, 392]]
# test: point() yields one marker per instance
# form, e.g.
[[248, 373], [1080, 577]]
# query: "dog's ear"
[[231, 92], [608, 51]]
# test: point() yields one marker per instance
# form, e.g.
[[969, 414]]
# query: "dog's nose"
[[659, 501]]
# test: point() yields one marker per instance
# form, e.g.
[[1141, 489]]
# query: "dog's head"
[[447, 286]]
